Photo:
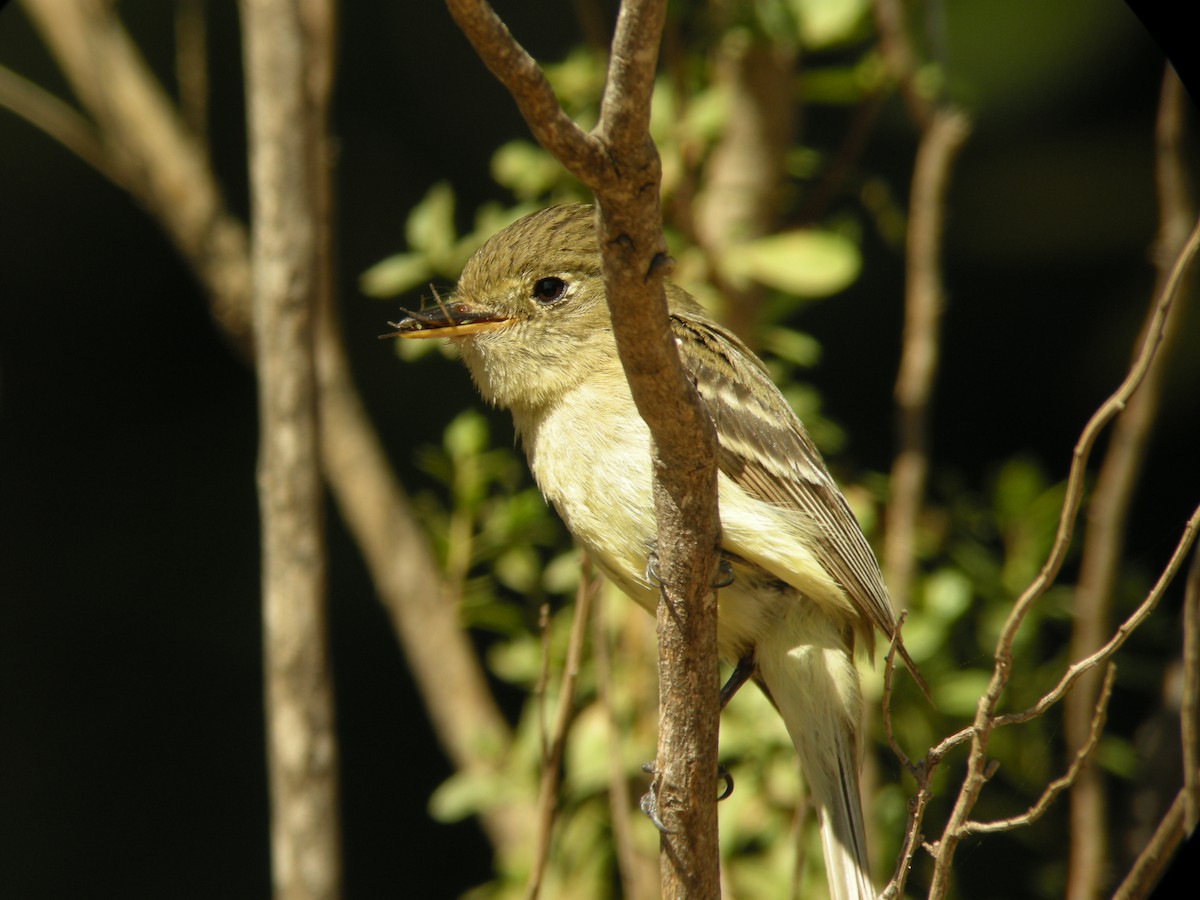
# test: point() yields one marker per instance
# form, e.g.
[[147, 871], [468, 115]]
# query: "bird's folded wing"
[[764, 449]]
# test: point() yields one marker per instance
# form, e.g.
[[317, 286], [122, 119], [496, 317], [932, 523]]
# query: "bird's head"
[[529, 313]]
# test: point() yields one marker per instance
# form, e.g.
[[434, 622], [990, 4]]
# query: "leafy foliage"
[[978, 547]]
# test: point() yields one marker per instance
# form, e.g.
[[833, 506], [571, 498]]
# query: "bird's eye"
[[549, 290]]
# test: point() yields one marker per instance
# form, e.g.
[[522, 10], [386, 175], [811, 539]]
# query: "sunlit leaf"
[[827, 22], [958, 694], [394, 275], [430, 226], [806, 263]]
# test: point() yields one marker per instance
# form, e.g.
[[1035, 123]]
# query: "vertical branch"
[[636, 878], [744, 175], [162, 164], [141, 143], [943, 131], [301, 744], [986, 720], [191, 67], [1189, 708], [684, 465], [924, 300], [619, 161], [552, 758], [1109, 507]]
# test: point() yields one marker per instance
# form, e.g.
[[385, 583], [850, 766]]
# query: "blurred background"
[[131, 732]]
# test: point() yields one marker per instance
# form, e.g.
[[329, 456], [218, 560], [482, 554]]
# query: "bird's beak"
[[446, 320]]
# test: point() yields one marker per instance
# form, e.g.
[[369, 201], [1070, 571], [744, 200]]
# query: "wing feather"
[[765, 450]]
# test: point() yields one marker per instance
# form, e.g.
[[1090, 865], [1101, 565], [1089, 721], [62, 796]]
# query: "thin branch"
[[941, 140], [1108, 507], [619, 161], [60, 121], [552, 759], [1146, 869], [1105, 652], [985, 713], [519, 73], [633, 880], [191, 67], [301, 737], [1189, 711], [889, 670], [164, 166], [1060, 784]]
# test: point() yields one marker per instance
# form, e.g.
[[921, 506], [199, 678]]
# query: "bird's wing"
[[764, 449]]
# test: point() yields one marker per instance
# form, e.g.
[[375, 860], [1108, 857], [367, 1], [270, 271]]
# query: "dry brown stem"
[[138, 140], [162, 164], [1154, 857], [1108, 507], [1060, 784], [619, 162], [554, 747], [1189, 709], [285, 259], [924, 301], [985, 716]]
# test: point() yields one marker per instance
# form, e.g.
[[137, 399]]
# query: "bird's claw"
[[649, 802], [724, 577]]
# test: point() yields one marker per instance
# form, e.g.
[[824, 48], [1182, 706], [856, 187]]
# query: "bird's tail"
[[807, 667]]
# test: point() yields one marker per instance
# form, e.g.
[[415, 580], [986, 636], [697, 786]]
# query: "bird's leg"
[[742, 672]]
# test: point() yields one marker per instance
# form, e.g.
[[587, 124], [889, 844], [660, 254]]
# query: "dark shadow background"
[[131, 733]]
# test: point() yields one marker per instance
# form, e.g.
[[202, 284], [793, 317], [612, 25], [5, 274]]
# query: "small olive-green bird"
[[530, 318]]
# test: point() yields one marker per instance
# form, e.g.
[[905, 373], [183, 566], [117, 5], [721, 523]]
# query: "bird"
[[802, 589]]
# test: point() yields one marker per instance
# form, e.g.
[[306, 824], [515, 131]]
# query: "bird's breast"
[[590, 455]]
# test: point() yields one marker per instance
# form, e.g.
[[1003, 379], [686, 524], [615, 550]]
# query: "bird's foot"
[[724, 577], [649, 801]]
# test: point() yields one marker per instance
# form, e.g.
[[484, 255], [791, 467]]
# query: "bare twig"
[[553, 753], [1108, 507], [301, 740], [744, 174], [140, 125], [58, 120], [618, 785], [1106, 651], [1189, 710], [985, 714], [619, 162], [924, 300], [1157, 853], [889, 670], [191, 67], [162, 164], [1060, 784]]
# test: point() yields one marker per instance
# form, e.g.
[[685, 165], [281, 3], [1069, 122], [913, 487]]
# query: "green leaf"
[[947, 594], [827, 22], [796, 347], [958, 694], [466, 436], [471, 791], [806, 263], [430, 226], [525, 169], [395, 275]]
